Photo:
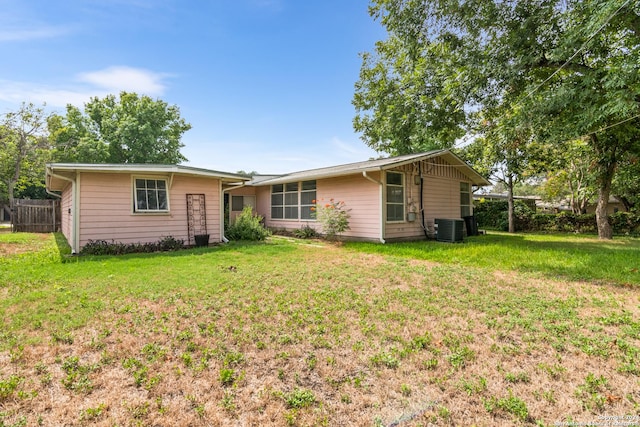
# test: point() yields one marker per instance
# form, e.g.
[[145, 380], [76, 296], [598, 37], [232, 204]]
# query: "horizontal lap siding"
[[360, 196], [66, 209], [441, 197], [407, 230], [106, 209], [263, 201], [242, 191], [442, 190]]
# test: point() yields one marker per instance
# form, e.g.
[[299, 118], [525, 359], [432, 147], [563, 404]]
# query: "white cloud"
[[22, 34], [352, 151], [120, 78], [99, 83]]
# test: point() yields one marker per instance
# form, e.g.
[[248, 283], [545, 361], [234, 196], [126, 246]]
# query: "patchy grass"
[[286, 333], [556, 256]]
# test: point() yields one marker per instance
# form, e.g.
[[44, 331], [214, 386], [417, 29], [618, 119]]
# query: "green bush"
[[492, 214], [102, 247], [306, 232], [626, 223], [247, 226], [333, 217]]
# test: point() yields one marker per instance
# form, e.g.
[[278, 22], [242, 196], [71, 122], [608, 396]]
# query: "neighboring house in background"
[[389, 199], [532, 201], [614, 206], [139, 203]]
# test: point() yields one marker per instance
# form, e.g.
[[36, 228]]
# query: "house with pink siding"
[[391, 199], [140, 203]]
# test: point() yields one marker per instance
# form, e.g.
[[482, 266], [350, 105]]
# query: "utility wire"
[[615, 124], [577, 51]]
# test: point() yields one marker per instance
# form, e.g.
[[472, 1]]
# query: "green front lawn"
[[502, 329], [562, 256]]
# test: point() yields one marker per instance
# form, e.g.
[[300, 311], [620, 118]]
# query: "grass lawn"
[[501, 330]]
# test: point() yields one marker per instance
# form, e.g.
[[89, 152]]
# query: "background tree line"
[[126, 129]]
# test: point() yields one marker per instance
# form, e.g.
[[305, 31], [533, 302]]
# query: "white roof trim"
[[142, 168], [369, 166]]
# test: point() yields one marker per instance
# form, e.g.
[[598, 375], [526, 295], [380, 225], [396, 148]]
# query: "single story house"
[[391, 199], [132, 203]]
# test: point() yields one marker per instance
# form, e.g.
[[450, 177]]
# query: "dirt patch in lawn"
[[340, 338], [9, 248]]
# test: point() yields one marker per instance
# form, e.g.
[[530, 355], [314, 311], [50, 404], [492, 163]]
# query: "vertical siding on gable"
[[360, 195], [106, 209]]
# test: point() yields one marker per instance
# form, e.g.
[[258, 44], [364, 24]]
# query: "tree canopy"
[[532, 72], [24, 148], [130, 129]]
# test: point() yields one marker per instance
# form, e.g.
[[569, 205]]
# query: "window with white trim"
[[395, 196], [465, 199], [150, 195], [293, 200]]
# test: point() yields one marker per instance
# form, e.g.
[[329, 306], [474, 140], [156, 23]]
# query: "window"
[[150, 195], [307, 199], [395, 196], [238, 203], [293, 200], [465, 199]]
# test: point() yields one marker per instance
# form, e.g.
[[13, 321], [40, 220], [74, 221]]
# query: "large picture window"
[[395, 196], [150, 195], [465, 199], [293, 200], [307, 199]]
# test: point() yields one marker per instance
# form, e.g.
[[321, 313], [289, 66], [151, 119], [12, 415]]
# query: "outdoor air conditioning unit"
[[449, 230]]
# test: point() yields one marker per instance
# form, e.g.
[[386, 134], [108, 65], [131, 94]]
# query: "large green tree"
[[24, 148], [564, 69], [128, 129]]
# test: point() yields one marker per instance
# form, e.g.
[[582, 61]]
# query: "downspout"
[[224, 190], [54, 206], [75, 241], [424, 225], [364, 174]]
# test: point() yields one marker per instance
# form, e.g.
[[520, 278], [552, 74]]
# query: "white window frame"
[[287, 193], [135, 189], [400, 203], [469, 203]]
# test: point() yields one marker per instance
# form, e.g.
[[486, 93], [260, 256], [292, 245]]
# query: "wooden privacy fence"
[[36, 216]]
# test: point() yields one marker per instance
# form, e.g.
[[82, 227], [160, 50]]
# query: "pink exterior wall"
[[360, 195], [106, 209], [242, 191], [441, 197], [66, 210]]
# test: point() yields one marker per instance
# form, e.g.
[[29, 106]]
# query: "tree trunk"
[[605, 231], [606, 168], [511, 205]]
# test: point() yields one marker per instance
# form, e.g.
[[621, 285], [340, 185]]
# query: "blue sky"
[[266, 84]]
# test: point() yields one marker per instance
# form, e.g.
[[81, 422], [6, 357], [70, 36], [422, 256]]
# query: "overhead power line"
[[577, 51]]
